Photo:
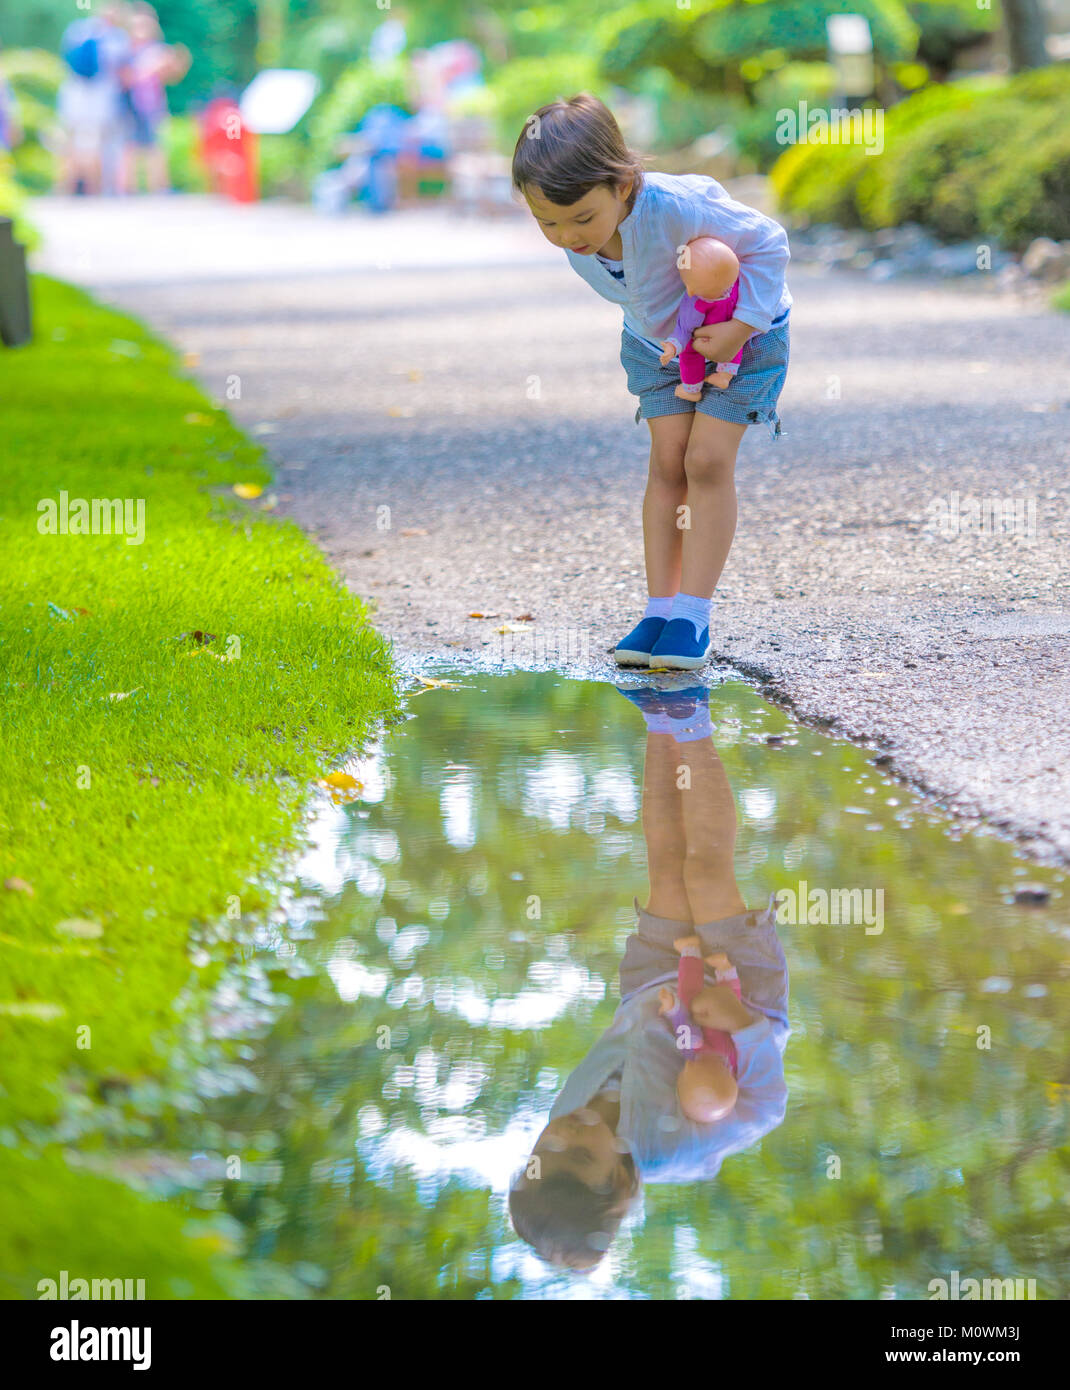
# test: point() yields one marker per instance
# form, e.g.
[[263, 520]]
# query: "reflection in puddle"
[[473, 1004]]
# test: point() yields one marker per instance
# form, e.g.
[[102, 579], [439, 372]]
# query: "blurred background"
[[336, 104]]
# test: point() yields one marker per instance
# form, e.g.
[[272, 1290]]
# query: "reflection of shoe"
[[682, 704], [634, 650], [647, 698], [678, 649]]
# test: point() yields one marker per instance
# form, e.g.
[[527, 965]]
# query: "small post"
[[15, 322]]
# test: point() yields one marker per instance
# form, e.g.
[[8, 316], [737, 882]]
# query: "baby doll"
[[706, 1086], [711, 279]]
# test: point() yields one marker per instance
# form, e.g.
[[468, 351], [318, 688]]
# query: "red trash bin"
[[229, 151]]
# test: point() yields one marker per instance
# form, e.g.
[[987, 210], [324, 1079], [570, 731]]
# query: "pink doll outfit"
[[691, 980], [694, 313]]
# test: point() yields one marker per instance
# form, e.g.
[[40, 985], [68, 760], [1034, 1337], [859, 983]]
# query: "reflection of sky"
[[562, 790]]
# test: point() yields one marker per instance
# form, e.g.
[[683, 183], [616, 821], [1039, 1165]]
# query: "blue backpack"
[[83, 58]]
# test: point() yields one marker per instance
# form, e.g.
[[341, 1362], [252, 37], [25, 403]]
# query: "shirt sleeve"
[[760, 244]]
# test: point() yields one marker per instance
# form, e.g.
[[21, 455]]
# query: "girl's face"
[[584, 226], [582, 1145]]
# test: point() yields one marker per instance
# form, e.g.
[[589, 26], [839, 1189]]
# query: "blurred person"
[[94, 50], [150, 66]]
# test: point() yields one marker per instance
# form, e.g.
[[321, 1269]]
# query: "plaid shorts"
[[749, 399]]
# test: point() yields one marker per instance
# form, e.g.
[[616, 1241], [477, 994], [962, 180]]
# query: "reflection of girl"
[[618, 1119]]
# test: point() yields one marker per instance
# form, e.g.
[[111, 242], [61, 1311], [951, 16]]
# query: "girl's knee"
[[667, 465], [709, 464]]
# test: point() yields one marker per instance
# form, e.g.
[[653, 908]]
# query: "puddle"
[[458, 959]]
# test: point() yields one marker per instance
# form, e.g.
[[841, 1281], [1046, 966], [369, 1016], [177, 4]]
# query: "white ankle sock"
[[658, 607], [693, 607]]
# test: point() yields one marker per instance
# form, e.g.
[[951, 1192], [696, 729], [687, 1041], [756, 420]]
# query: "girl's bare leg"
[[709, 468], [709, 818], [663, 829], [666, 491]]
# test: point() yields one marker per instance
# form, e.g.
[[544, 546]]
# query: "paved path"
[[459, 375]]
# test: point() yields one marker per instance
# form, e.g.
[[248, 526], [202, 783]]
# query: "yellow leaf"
[[248, 490], [196, 418], [433, 684], [512, 627], [401, 412], [342, 781], [18, 885]]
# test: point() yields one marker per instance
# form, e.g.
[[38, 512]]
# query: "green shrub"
[[1028, 195], [342, 109], [34, 76], [283, 166], [963, 160], [184, 168], [521, 87]]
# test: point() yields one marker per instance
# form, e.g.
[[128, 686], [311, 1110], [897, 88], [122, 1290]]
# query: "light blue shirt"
[[666, 1146], [669, 211]]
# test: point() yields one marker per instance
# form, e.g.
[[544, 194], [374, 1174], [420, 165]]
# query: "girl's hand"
[[719, 342]]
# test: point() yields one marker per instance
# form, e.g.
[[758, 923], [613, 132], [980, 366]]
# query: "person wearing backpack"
[[94, 50]]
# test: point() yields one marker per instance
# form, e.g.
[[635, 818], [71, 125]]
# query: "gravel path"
[[458, 375]]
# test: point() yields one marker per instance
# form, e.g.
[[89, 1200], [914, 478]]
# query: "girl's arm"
[[760, 245]]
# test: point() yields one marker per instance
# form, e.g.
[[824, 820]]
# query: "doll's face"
[[584, 226]]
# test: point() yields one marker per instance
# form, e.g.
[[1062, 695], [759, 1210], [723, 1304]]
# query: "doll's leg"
[[690, 975], [693, 367]]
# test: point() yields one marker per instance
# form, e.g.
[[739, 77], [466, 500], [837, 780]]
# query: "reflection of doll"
[[706, 1086], [711, 279]]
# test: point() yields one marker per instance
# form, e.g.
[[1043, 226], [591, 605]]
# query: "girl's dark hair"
[[569, 147], [568, 1223]]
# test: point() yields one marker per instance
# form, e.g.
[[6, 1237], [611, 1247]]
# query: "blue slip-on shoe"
[[677, 648], [634, 650]]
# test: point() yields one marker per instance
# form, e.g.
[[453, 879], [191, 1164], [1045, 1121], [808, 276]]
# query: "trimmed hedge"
[[961, 160]]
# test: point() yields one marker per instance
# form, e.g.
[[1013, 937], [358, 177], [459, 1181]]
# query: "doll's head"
[[708, 268], [574, 1191], [706, 1088]]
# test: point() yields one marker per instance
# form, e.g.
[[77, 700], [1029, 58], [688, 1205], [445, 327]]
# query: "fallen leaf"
[[342, 781], [123, 694], [196, 417], [248, 490], [511, 627], [413, 531], [401, 412], [84, 927], [191, 359], [432, 684], [483, 615], [198, 635], [18, 885], [524, 618]]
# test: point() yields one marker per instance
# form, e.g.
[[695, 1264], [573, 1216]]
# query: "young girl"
[[625, 232]]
